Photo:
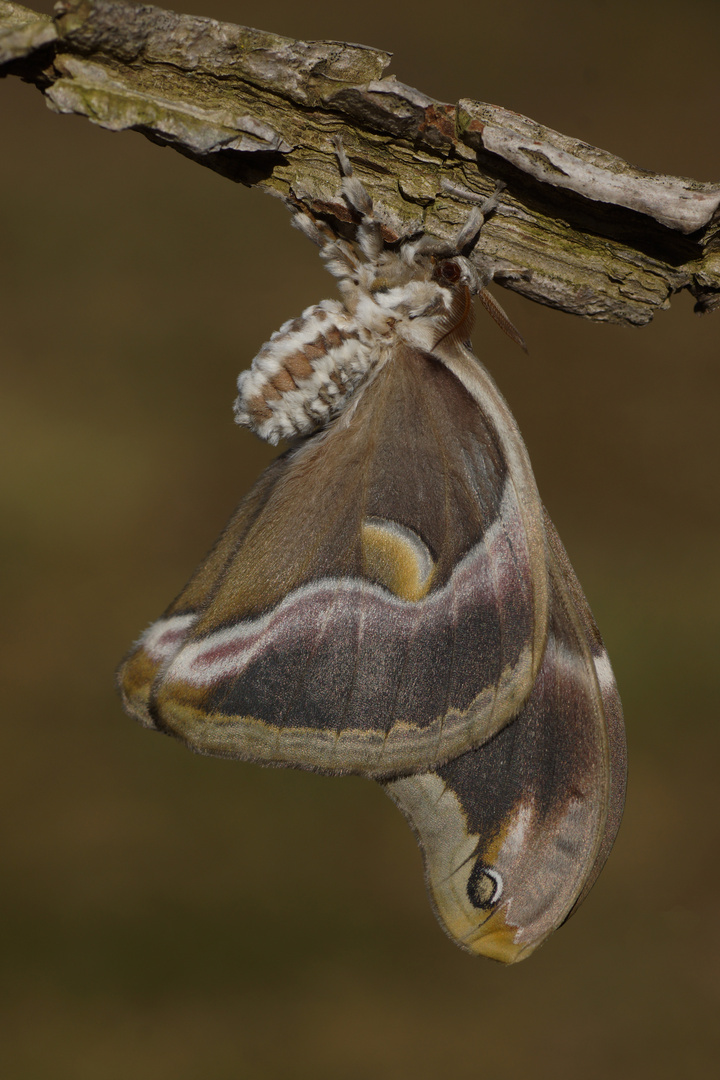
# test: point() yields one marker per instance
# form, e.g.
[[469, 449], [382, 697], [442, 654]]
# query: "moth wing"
[[612, 709], [379, 602], [514, 833], [156, 648]]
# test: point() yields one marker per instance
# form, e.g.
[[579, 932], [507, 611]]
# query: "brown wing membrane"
[[612, 708], [514, 833], [378, 603]]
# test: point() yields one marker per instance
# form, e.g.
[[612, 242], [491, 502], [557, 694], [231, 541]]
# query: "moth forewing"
[[381, 606], [514, 832], [466, 367], [151, 654]]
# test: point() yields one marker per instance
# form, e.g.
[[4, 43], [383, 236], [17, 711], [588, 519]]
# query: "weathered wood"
[[601, 238]]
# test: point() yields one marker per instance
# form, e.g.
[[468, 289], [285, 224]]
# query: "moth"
[[391, 598]]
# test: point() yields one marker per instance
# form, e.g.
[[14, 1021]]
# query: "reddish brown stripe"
[[270, 393], [283, 381], [258, 409], [333, 337], [315, 350], [299, 367]]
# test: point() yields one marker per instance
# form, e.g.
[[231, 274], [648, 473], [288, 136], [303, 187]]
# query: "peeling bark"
[[602, 239]]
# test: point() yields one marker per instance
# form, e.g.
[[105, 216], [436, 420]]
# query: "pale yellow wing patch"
[[396, 557]]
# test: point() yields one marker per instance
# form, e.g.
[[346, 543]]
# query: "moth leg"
[[486, 203], [338, 255], [484, 206], [309, 226], [508, 273], [468, 234], [369, 231]]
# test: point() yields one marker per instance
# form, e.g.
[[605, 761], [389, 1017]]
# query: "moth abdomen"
[[303, 376]]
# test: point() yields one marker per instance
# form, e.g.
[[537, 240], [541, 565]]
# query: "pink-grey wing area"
[[378, 603], [515, 832]]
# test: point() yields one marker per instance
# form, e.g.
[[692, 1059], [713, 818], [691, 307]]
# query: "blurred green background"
[[169, 916]]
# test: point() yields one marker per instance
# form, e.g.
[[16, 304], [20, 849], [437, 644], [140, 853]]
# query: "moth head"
[[433, 297]]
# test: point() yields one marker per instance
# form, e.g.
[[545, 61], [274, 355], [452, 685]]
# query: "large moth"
[[391, 599]]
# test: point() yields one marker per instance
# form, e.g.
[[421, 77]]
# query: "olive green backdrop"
[[169, 916]]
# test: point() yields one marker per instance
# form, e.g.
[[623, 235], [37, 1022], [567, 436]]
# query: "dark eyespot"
[[484, 887], [449, 271]]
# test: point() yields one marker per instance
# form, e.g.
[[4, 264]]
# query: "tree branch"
[[601, 238]]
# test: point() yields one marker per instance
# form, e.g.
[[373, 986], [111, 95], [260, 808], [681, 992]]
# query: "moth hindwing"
[[513, 833], [381, 601]]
